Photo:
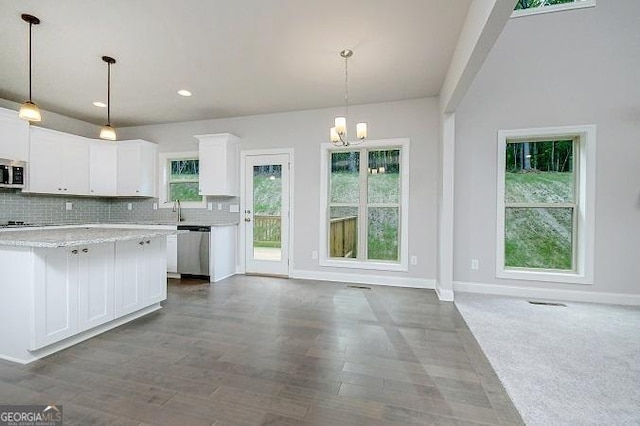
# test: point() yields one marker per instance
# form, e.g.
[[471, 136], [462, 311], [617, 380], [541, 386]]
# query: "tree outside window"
[[183, 184]]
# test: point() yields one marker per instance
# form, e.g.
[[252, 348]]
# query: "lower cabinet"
[[79, 288], [172, 254], [73, 291], [140, 270]]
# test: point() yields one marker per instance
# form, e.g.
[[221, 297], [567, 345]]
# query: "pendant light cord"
[[108, 94], [30, 26]]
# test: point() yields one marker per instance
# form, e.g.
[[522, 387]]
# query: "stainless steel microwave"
[[12, 173]]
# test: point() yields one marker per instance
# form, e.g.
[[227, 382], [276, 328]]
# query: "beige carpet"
[[578, 364]]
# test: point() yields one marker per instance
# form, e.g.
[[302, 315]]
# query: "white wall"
[[305, 131], [564, 68]]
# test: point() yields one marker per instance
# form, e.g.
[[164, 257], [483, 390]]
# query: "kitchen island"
[[62, 285]]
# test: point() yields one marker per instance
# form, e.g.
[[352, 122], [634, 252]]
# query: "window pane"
[[539, 238], [184, 191], [539, 172], [344, 180], [384, 176], [267, 206], [184, 169], [343, 232], [528, 4], [382, 238]]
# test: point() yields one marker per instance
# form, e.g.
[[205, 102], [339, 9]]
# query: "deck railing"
[[266, 229], [343, 235]]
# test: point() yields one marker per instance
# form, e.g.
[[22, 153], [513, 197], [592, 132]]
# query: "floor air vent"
[[547, 303], [361, 287]]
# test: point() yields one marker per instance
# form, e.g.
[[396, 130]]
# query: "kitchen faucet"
[[177, 208]]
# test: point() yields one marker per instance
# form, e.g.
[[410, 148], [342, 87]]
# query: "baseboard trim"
[[445, 295], [31, 356], [215, 280], [364, 279], [549, 294]]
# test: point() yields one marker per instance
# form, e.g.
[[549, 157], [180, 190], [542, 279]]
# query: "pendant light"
[[29, 111], [338, 133], [108, 132]]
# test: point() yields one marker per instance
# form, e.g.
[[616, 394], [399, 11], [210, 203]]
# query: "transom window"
[[365, 198], [545, 204], [530, 7]]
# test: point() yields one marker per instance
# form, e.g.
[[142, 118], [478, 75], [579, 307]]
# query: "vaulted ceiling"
[[239, 57]]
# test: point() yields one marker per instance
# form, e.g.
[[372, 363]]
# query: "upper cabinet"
[[137, 161], [14, 136], [62, 163], [58, 163], [219, 164], [103, 168]]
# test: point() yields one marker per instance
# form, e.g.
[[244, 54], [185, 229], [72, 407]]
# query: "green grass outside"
[[539, 238]]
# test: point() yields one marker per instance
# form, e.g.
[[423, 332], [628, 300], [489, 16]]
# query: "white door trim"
[[241, 267]]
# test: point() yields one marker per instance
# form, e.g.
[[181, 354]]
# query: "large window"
[[531, 7], [180, 179], [365, 205], [544, 198]]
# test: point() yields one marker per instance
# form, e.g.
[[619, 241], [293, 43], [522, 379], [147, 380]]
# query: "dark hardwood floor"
[[268, 351]]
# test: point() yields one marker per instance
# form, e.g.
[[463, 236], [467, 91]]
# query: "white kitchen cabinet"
[[14, 136], [102, 168], [219, 164], [73, 291], [55, 297], [155, 267], [140, 271], [95, 285], [222, 252], [136, 165], [58, 163], [172, 254]]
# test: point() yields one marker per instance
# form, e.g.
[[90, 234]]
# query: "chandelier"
[[339, 131]]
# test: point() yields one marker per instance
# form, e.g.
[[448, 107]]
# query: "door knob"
[[247, 219], [74, 251], [85, 250]]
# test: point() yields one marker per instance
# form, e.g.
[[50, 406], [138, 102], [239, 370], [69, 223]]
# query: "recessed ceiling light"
[[100, 104], [184, 92]]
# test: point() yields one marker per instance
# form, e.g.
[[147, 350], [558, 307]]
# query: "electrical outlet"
[[155, 206], [474, 264], [129, 206], [234, 208], [68, 206], [414, 260], [314, 254], [209, 206]]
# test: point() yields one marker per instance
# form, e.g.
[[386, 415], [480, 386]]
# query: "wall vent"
[[547, 303], [361, 287]]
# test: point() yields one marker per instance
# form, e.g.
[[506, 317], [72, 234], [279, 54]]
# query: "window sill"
[[370, 265], [549, 276], [555, 8]]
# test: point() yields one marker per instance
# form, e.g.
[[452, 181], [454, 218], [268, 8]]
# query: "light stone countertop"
[[76, 236]]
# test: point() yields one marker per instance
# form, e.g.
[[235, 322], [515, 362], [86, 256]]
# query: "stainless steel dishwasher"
[[193, 250]]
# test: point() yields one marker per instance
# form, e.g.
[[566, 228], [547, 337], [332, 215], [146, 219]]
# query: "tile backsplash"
[[52, 209]]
